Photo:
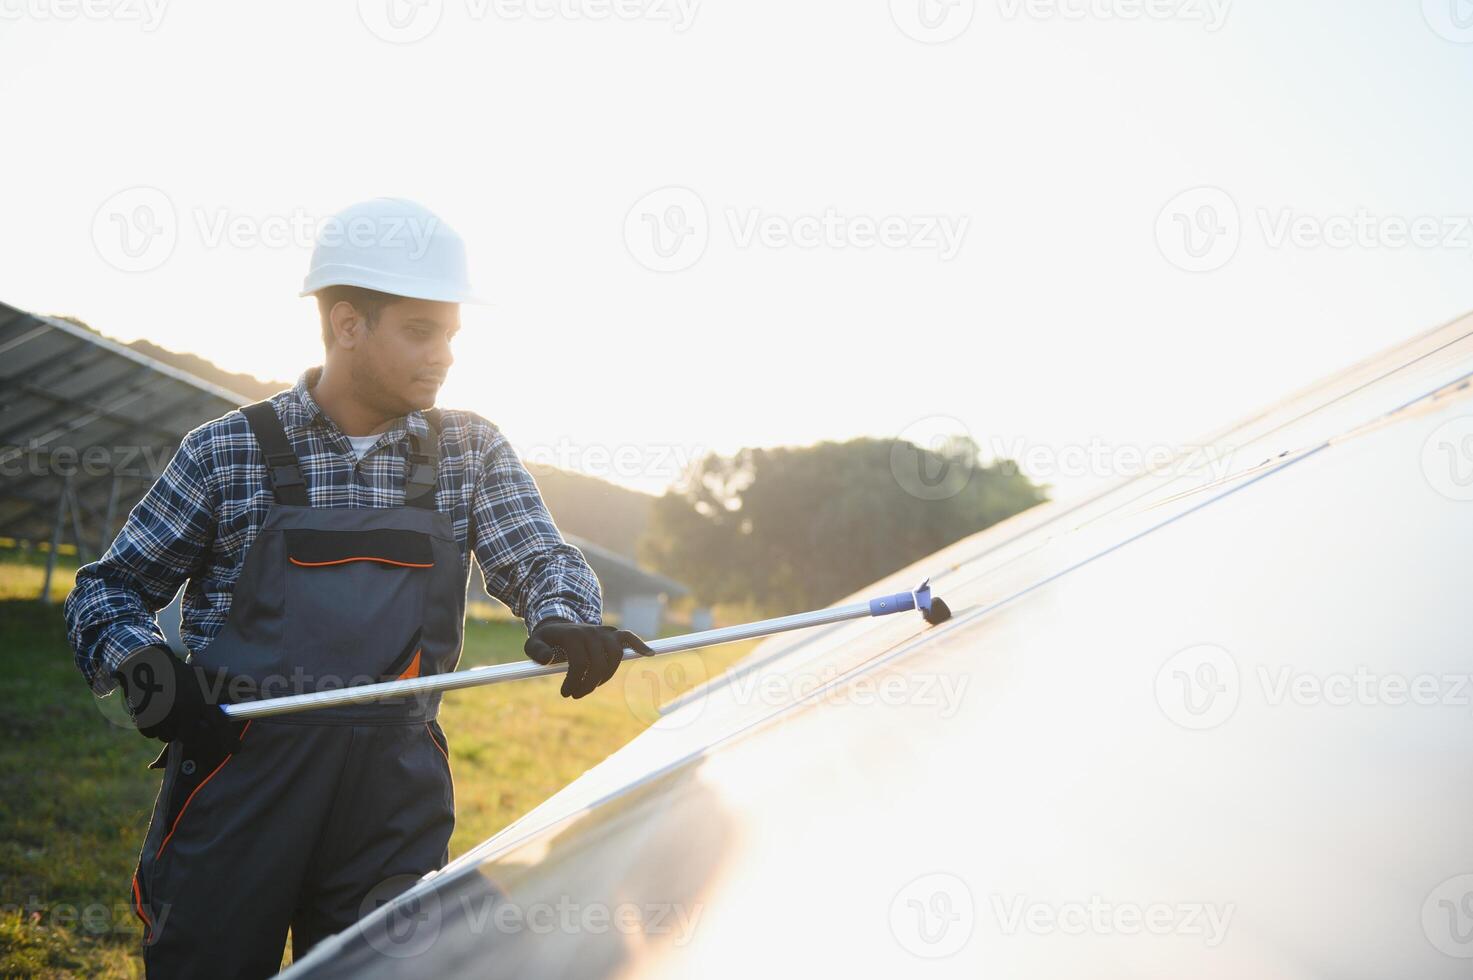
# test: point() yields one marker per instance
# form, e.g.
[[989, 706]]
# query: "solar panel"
[[1212, 721], [83, 414]]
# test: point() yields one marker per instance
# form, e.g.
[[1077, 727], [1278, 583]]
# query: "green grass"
[[23, 580], [78, 792], [77, 798]]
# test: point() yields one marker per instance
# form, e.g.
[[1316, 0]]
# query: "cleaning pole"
[[932, 608]]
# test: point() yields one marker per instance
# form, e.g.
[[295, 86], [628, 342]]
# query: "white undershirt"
[[361, 444]]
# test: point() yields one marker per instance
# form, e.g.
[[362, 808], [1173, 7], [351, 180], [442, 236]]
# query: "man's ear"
[[348, 325]]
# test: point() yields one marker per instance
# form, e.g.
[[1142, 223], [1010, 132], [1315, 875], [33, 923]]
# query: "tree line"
[[794, 528]]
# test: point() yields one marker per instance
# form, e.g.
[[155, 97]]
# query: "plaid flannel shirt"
[[201, 515]]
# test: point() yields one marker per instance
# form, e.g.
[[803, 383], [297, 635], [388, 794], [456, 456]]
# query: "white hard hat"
[[393, 246]]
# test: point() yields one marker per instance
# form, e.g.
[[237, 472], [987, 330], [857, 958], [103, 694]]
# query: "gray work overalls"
[[316, 817]]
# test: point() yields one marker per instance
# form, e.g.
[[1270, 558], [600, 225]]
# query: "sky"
[[1080, 231]]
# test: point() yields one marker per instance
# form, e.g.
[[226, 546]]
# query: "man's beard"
[[369, 387]]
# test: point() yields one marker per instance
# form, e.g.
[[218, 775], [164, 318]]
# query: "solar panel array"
[[86, 426]]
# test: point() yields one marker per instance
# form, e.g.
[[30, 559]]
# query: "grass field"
[[78, 793]]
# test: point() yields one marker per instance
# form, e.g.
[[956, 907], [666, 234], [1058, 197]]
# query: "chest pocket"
[[310, 548], [355, 601]]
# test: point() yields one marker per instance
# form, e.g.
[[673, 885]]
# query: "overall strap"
[[421, 471], [281, 462]]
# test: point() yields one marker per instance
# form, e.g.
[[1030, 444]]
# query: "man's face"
[[400, 364]]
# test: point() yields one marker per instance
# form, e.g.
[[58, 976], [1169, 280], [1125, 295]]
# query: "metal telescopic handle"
[[495, 674]]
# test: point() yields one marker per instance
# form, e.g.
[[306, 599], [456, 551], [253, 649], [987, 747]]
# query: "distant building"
[[636, 598]]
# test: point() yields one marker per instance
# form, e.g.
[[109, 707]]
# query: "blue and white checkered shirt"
[[198, 519]]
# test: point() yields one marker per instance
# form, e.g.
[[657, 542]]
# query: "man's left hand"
[[592, 653]]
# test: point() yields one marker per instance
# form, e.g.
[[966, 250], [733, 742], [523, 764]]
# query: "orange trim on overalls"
[[431, 732], [344, 561], [412, 670], [180, 815]]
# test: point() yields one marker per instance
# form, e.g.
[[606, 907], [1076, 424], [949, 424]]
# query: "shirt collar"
[[302, 411]]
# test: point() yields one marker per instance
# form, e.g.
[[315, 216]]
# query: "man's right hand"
[[170, 699]]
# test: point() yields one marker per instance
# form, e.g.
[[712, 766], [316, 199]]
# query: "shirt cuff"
[[122, 640], [555, 609]]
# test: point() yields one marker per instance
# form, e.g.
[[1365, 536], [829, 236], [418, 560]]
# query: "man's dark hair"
[[369, 302]]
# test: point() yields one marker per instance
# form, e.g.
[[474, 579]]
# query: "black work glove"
[[592, 653], [170, 699]]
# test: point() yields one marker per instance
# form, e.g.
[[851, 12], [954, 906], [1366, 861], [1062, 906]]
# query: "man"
[[326, 536]]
